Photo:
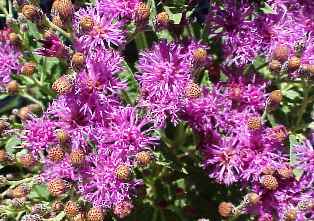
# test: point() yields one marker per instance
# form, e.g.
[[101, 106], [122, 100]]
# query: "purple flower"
[[104, 31], [117, 8], [9, 58], [223, 161], [163, 76], [53, 47]]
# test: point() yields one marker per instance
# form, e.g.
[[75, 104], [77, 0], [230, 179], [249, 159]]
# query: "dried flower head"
[[31, 12], [27, 160], [78, 60], [162, 19], [123, 209], [28, 68], [86, 23], [14, 39], [56, 20], [143, 158], [77, 157], [57, 187], [285, 172], [20, 191], [142, 13], [63, 8], [71, 209], [294, 63], [281, 53], [62, 85]]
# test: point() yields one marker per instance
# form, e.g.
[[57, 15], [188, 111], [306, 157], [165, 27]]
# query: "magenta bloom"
[[9, 58], [117, 8], [106, 31], [163, 76], [53, 47], [223, 161]]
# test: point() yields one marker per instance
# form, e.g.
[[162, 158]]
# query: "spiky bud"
[[12, 87], [63, 8], [86, 23], [275, 97], [275, 65], [57, 187], [27, 160], [78, 60], [57, 206], [294, 63], [291, 215], [95, 214], [31, 12], [269, 182], [62, 136], [77, 157], [254, 123], [56, 20], [143, 158], [71, 209], [56, 153], [281, 53], [192, 90], [62, 85], [123, 209], [225, 209], [142, 13], [28, 68], [20, 191], [162, 19], [123, 172]]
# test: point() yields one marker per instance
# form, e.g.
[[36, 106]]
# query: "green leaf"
[[39, 192], [267, 9], [291, 94], [11, 144]]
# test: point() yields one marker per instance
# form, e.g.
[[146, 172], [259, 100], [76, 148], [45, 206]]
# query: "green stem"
[[305, 102], [29, 97], [4, 10], [53, 26]]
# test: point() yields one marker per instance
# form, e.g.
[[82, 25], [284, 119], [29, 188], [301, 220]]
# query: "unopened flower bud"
[[253, 198], [62, 85], [294, 63], [162, 19], [275, 65], [254, 123], [31, 12], [269, 182], [291, 215], [192, 90], [20, 191], [63, 8], [285, 172], [28, 69], [27, 160], [200, 55], [142, 13], [3, 156], [86, 24], [143, 158], [62, 136], [57, 187], [95, 214], [123, 172], [275, 97], [281, 53], [77, 157], [78, 60], [71, 209], [56, 153], [225, 209], [56, 20], [12, 87], [123, 209], [14, 38]]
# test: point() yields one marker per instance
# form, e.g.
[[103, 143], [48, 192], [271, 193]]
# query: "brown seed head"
[[144, 158], [71, 209], [281, 53], [28, 68], [225, 209], [95, 214], [63, 8], [142, 13], [77, 157], [269, 182], [12, 87], [275, 65], [62, 85], [294, 63], [275, 97], [192, 91], [86, 23], [254, 123], [123, 172], [56, 153], [27, 160], [57, 187]]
